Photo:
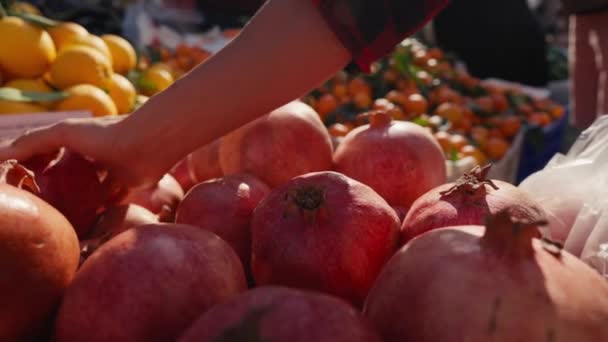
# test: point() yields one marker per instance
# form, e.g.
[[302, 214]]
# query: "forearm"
[[285, 51]]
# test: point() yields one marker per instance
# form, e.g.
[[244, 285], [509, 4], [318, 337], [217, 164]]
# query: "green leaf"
[[36, 20], [146, 84], [454, 155], [17, 95], [421, 122]]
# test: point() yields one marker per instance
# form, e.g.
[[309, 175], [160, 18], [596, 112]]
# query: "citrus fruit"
[[123, 93], [496, 148], [26, 50], [451, 112], [326, 105], [80, 64], [91, 41], [155, 80], [87, 97], [14, 107], [66, 32], [415, 104], [24, 7], [123, 54], [34, 85]]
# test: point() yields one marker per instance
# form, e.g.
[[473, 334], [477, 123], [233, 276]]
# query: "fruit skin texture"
[[87, 97], [286, 143], [80, 64], [35, 85], [27, 51], [91, 41], [66, 32], [148, 284], [224, 206], [467, 202], [123, 93], [70, 183], [399, 160], [14, 107], [281, 314], [123, 54], [323, 231], [495, 292], [205, 162], [38, 257], [156, 80]]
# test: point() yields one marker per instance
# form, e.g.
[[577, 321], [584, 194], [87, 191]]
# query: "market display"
[[332, 218]]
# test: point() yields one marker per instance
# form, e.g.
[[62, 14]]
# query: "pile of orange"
[[468, 117]]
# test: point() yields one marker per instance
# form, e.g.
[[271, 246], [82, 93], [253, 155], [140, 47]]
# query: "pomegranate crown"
[[376, 118], [472, 181], [17, 175]]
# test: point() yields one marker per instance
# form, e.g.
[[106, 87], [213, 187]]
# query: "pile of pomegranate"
[[268, 234]]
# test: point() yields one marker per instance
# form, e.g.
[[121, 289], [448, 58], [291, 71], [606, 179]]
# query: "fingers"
[[34, 142]]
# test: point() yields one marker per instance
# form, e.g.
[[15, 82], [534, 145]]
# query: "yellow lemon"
[[87, 97], [14, 107], [155, 80], [66, 32], [26, 50], [123, 93], [36, 85], [91, 41], [80, 64], [164, 66], [24, 7], [123, 53]]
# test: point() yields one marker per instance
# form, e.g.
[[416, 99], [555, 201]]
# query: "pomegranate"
[[499, 283], [71, 184], [224, 206], [161, 200], [282, 315], [467, 202], [323, 231], [38, 257], [182, 174], [148, 284], [205, 162], [399, 160], [401, 212], [286, 143]]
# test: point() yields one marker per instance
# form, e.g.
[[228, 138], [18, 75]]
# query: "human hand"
[[102, 139]]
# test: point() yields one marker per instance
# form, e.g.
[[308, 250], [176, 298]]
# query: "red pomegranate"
[[113, 221], [280, 314], [161, 200], [323, 231], [399, 160], [38, 257], [467, 202], [182, 174], [148, 284], [72, 185], [224, 206], [495, 284], [205, 162], [286, 143]]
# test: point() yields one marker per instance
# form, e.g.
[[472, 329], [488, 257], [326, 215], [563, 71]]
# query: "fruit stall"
[[425, 204]]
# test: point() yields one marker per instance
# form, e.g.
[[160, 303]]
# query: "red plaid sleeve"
[[370, 29]]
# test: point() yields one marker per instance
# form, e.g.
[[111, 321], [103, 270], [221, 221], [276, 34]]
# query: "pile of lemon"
[[81, 70]]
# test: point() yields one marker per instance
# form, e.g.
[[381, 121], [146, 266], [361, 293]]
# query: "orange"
[[339, 130], [525, 109], [87, 97], [445, 141], [123, 54], [34, 85], [510, 126], [66, 32], [358, 85], [326, 104], [540, 119], [396, 113], [496, 148], [557, 112], [415, 104], [155, 80], [472, 151], [480, 135], [123, 93], [26, 51], [424, 77], [362, 100], [383, 104], [14, 107], [451, 112], [80, 64], [458, 141], [500, 102], [397, 97], [91, 41], [407, 86], [485, 103], [339, 90]]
